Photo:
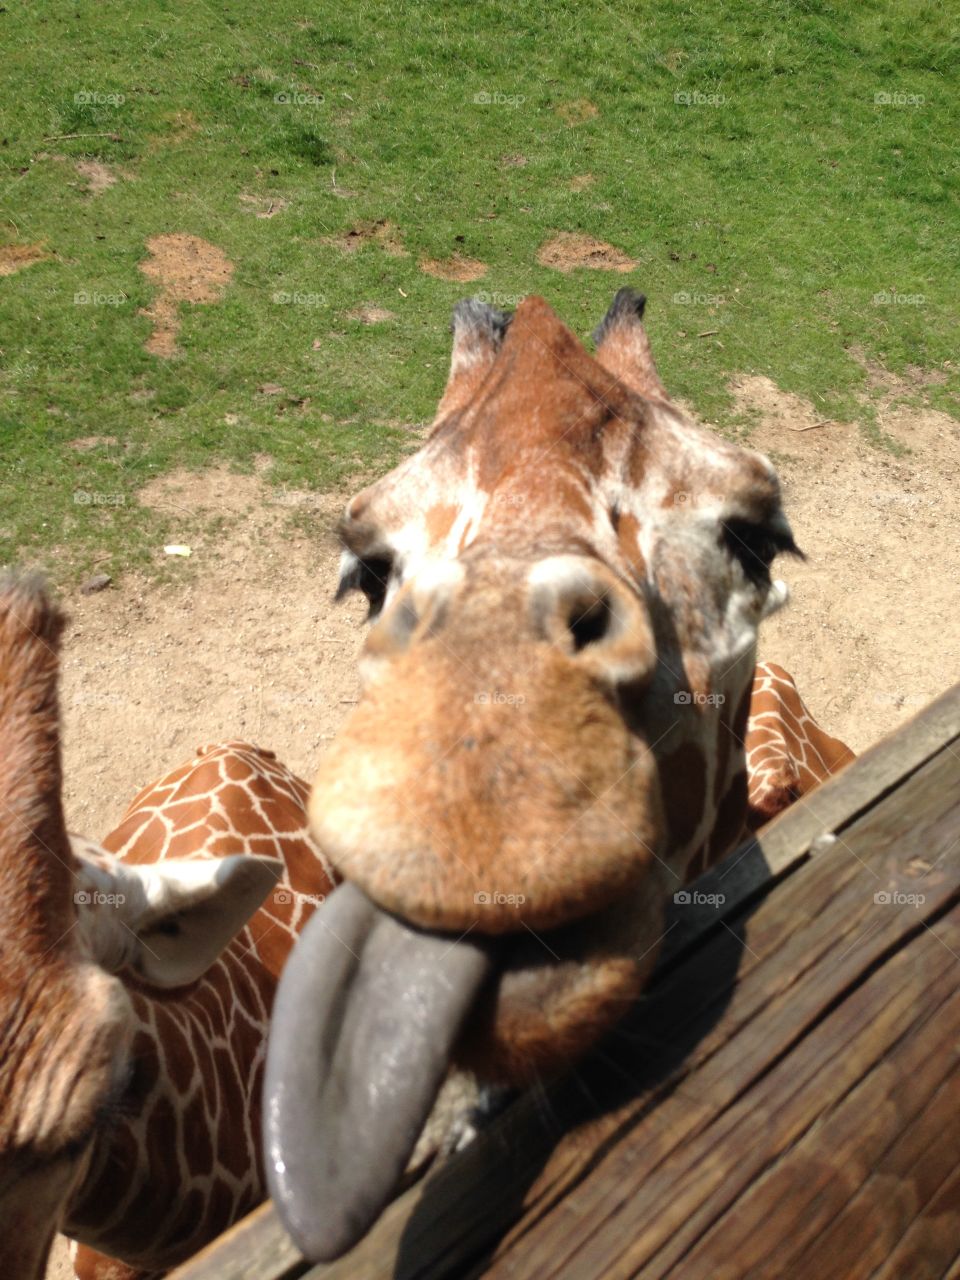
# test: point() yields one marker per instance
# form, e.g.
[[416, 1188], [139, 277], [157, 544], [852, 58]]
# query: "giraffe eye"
[[369, 575], [754, 546]]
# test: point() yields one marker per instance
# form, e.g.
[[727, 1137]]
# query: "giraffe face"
[[60, 1085], [565, 585]]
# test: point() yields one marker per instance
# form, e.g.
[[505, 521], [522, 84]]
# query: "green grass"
[[790, 193]]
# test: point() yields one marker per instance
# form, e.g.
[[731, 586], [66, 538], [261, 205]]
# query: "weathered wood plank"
[[764, 1023], [836, 1203], [258, 1248], [930, 1239], [647, 1215]]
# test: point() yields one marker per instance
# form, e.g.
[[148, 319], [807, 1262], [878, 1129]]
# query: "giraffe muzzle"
[[365, 1020]]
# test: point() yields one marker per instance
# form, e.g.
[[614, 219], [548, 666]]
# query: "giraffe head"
[[70, 922], [565, 585]]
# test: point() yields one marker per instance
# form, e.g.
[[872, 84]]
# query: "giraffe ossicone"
[[565, 584]]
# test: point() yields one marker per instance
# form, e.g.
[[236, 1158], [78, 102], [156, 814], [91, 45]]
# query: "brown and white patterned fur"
[[182, 1159], [787, 752]]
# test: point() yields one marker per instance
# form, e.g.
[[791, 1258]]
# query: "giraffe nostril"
[[580, 606]]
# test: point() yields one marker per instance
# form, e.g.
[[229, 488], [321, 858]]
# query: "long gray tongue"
[[366, 1014]]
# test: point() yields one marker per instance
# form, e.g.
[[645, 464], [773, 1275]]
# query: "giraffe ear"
[[168, 921]]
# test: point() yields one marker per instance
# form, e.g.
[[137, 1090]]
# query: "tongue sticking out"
[[367, 1012]]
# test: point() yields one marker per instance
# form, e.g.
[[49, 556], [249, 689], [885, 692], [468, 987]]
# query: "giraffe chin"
[[371, 1012]]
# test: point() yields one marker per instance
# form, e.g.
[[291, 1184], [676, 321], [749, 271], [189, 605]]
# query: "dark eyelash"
[[756, 546], [371, 576]]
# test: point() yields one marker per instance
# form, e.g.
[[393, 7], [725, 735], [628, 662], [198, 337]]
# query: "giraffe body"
[[182, 1160]]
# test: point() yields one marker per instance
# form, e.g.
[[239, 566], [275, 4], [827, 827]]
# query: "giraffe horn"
[[366, 1015], [478, 332], [624, 348]]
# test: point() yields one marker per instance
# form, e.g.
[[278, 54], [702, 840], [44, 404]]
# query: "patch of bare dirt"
[[185, 269], [581, 181], [249, 644], [872, 631], [516, 161], [84, 444], [384, 233], [98, 176], [570, 251], [263, 206], [456, 267], [574, 113], [370, 313], [16, 257]]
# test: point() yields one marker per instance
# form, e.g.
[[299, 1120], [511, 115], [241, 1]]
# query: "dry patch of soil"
[[84, 444], [370, 313], [247, 645], [574, 113], [456, 267], [185, 269], [581, 181], [263, 206], [513, 162], [384, 233], [96, 175], [16, 257], [570, 251]]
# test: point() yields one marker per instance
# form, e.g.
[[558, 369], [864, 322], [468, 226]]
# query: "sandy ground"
[[250, 645]]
